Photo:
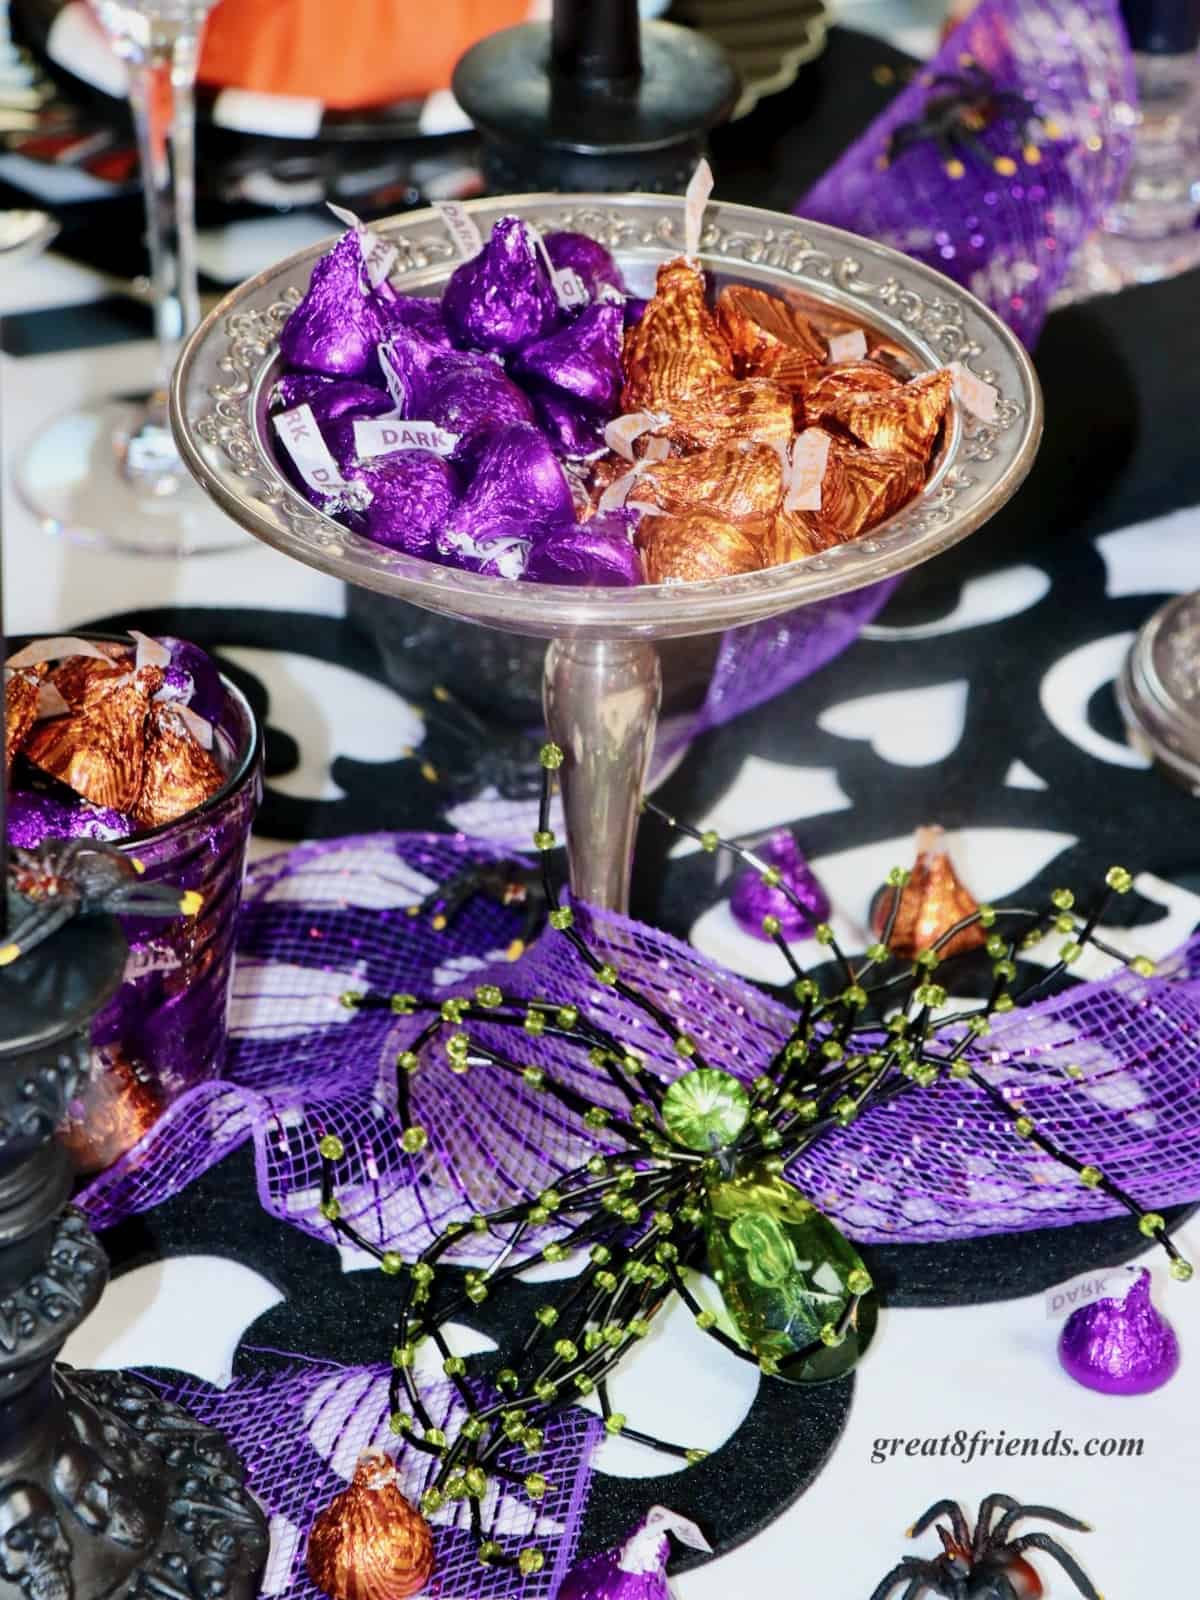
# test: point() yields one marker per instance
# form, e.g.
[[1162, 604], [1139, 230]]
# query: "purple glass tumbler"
[[165, 1029]]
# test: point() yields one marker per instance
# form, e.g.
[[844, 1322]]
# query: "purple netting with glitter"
[[935, 1164], [759, 662], [299, 1433], [1007, 237]]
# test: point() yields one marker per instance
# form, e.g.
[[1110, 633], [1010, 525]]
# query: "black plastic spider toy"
[[473, 756], [988, 1564], [962, 105], [508, 883], [67, 878]]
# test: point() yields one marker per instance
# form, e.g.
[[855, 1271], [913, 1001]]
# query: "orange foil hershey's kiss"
[[113, 1108], [84, 680], [698, 545], [859, 489], [98, 751], [931, 902], [768, 337], [905, 419], [758, 409], [676, 352], [370, 1543], [178, 774], [826, 391], [728, 481], [20, 713]]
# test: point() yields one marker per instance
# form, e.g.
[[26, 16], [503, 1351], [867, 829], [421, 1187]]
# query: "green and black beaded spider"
[[687, 1166]]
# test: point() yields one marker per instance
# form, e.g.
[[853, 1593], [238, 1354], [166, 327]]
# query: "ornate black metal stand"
[[105, 1489], [592, 102]]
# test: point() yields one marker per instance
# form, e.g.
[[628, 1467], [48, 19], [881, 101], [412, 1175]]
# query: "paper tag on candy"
[[569, 288], [619, 491], [460, 227], [698, 191], [641, 1551], [806, 470], [149, 652], [975, 394], [379, 257], [391, 376], [50, 702], [301, 438], [850, 346], [377, 436], [54, 649], [199, 727], [622, 432], [1105, 1283]]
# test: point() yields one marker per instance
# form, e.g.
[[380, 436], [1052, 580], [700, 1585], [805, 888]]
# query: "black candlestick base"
[[542, 129], [105, 1489]]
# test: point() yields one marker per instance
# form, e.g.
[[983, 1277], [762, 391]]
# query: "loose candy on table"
[[756, 897], [932, 900], [1121, 1344], [636, 1569], [370, 1542]]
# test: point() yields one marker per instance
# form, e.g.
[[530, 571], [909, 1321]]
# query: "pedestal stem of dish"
[[602, 698]]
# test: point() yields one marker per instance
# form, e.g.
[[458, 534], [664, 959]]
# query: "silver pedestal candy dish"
[[602, 671]]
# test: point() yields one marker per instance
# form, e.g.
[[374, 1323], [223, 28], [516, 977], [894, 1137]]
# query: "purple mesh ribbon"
[[763, 660], [300, 1431], [936, 1163], [1008, 239]]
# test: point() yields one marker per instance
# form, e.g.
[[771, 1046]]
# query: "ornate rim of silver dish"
[[221, 388]]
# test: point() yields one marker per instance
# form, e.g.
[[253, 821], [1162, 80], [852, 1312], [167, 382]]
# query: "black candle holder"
[[105, 1488], [593, 102]]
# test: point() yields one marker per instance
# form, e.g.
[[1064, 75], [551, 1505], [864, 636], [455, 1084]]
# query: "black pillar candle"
[[594, 100], [1162, 27], [596, 42]]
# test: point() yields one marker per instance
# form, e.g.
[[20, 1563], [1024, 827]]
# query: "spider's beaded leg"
[[46, 919], [1051, 1547]]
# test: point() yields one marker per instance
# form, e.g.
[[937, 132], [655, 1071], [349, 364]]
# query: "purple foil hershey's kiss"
[[752, 899], [335, 409], [339, 323], [194, 679], [583, 359], [502, 299], [636, 1569], [518, 479], [575, 430], [1122, 1345], [599, 553], [34, 817], [576, 252], [414, 493]]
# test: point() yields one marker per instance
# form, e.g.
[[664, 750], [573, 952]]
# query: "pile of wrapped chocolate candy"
[[540, 422], [108, 740]]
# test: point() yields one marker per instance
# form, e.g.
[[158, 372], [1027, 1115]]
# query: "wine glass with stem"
[[107, 473]]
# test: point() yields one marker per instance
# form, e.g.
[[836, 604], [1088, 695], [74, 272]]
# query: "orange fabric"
[[358, 53]]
